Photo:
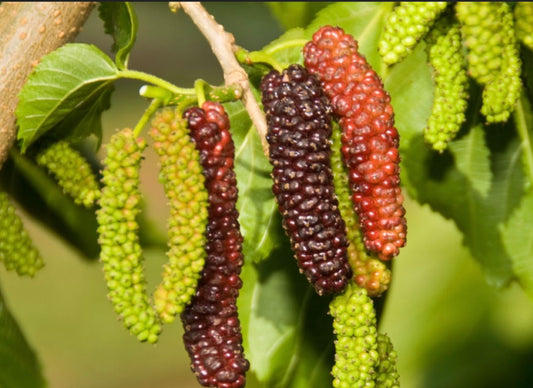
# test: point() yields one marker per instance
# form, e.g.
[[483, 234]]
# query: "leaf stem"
[[523, 118], [154, 105], [154, 80]]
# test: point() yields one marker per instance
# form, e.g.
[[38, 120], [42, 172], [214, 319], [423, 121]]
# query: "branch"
[[223, 46], [29, 30]]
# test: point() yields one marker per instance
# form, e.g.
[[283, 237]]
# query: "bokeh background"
[[449, 328]]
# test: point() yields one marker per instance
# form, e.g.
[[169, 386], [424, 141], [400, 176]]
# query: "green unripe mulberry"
[[368, 271], [72, 171], [387, 373], [523, 15], [356, 346], [408, 23], [17, 250], [445, 55], [121, 253], [493, 57], [183, 182]]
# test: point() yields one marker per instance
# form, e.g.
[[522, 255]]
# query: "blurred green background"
[[449, 328]]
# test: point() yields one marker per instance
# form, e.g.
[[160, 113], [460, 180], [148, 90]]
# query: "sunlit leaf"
[[66, 82]]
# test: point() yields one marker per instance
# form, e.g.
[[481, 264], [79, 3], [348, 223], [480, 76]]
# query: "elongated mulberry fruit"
[[72, 171], [356, 344], [445, 53], [369, 139], [212, 333], [369, 272], [387, 371], [407, 24], [184, 186], [523, 15], [493, 57], [121, 253], [299, 128], [17, 250]]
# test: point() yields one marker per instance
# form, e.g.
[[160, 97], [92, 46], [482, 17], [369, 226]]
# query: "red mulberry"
[[299, 128], [212, 330], [369, 140]]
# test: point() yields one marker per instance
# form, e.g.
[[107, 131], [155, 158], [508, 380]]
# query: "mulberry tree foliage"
[[427, 100]]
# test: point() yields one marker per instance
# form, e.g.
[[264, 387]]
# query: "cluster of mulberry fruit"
[[488, 31], [369, 140], [183, 182], [299, 128], [369, 272], [120, 250], [17, 250], [406, 26], [212, 333], [445, 55], [73, 173]]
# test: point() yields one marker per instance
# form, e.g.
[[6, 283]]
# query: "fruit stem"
[[247, 57], [199, 87], [154, 105], [152, 79]]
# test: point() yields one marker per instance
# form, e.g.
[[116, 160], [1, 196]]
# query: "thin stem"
[[247, 57], [522, 117], [199, 86], [152, 108], [152, 79]]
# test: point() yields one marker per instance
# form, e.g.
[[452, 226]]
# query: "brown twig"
[[223, 46], [29, 30]]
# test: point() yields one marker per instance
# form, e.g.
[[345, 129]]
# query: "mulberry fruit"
[[17, 250], [387, 373], [212, 333], [493, 57], [407, 24], [72, 171], [356, 344], [368, 271], [451, 83], [299, 128], [369, 139], [183, 182], [121, 253], [523, 14]]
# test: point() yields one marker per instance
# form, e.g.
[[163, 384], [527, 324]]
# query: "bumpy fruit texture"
[[407, 24], [299, 128], [523, 15], [121, 254], [212, 333], [72, 171], [488, 32], [446, 57], [17, 250], [369, 139], [368, 271], [387, 372], [183, 182], [356, 347]]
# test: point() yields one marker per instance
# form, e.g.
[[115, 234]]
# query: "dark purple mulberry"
[[212, 330], [299, 128], [369, 139]]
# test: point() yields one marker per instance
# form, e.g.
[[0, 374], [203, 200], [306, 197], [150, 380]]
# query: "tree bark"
[[29, 30]]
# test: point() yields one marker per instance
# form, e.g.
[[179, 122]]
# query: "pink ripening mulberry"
[[369, 139], [212, 333], [299, 128]]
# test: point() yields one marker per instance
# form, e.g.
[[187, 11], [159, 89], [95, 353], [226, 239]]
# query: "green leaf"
[[258, 212], [472, 159], [20, 366], [120, 21], [279, 313], [517, 238], [66, 83], [291, 14]]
